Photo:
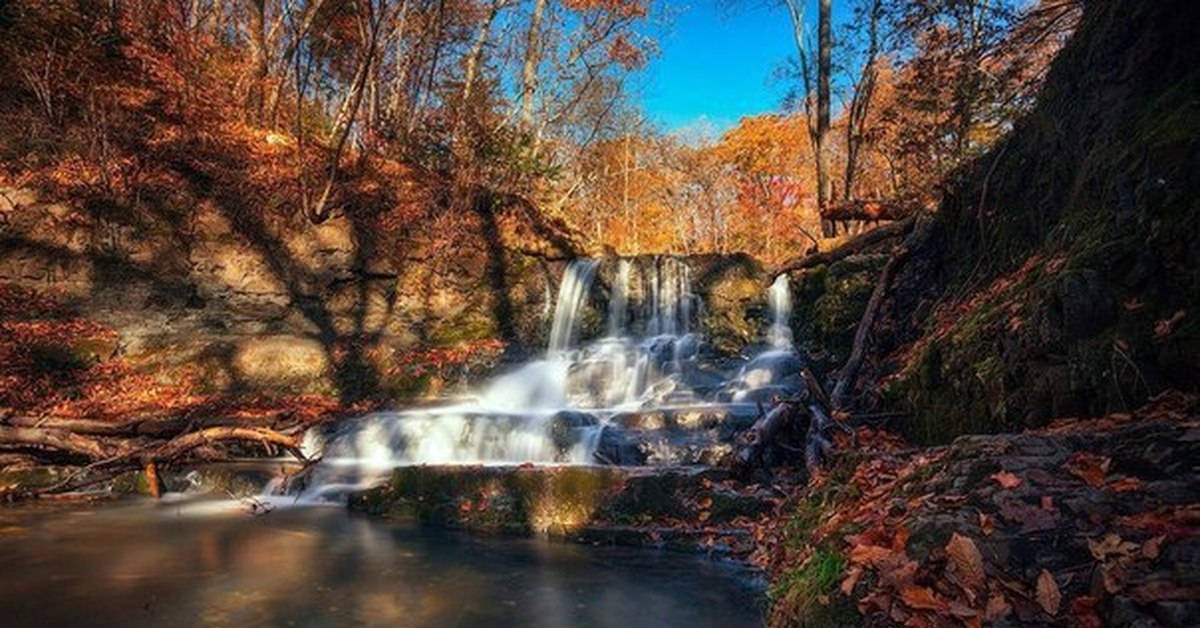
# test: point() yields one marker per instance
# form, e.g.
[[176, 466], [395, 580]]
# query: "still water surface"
[[179, 565]]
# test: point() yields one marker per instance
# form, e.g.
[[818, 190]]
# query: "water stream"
[[570, 405], [172, 565]]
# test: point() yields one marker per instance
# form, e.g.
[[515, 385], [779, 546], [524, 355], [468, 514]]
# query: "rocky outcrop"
[[270, 305], [265, 306], [1068, 255]]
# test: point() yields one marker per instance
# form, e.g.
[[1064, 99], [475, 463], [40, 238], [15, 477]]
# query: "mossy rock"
[[491, 499]]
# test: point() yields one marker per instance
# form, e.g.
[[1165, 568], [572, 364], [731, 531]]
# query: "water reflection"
[[160, 566]]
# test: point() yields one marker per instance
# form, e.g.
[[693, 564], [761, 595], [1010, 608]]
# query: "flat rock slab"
[[636, 506]]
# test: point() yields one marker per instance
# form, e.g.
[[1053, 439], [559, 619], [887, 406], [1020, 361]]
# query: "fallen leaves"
[[1167, 326], [922, 598], [1089, 467], [997, 608], [1006, 480], [1048, 595], [965, 561], [1111, 546], [1153, 547]]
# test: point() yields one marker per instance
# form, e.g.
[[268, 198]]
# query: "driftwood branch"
[[102, 450]]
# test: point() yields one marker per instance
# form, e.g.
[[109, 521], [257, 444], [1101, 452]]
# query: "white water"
[[576, 282], [531, 414], [779, 299]]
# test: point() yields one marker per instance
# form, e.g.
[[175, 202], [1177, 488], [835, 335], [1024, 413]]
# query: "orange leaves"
[[446, 362], [1006, 479], [1090, 468], [922, 598]]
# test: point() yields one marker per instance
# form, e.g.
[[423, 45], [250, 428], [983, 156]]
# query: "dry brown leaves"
[[1089, 467], [1048, 595]]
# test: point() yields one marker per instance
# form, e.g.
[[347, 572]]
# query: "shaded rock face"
[[1069, 255], [277, 306], [264, 306]]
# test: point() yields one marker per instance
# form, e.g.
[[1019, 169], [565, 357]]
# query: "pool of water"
[[155, 564]]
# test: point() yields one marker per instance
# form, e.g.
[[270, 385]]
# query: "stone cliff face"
[[1070, 251], [268, 306], [293, 307]]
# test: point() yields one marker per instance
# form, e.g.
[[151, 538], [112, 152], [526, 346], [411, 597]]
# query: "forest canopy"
[[501, 101]]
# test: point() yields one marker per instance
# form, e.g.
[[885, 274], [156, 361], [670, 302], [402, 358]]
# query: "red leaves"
[[447, 362]]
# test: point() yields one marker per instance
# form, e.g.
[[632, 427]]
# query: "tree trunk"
[[471, 68], [860, 101], [824, 69], [529, 70], [256, 37]]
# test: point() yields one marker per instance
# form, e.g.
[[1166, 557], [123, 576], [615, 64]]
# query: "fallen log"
[[869, 210], [849, 372], [60, 441], [143, 425], [765, 432], [850, 247]]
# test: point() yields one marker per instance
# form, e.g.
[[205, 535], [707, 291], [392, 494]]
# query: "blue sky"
[[718, 63]]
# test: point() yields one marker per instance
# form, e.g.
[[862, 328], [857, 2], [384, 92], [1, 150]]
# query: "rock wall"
[[1070, 250], [267, 305], [246, 305]]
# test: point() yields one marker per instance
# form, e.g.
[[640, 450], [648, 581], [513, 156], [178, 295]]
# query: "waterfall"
[[671, 297], [548, 410], [619, 299], [572, 294], [779, 298]]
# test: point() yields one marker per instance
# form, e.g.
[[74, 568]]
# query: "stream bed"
[[214, 564]]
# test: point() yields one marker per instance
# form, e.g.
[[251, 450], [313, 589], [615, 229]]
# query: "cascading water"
[[572, 293], [551, 410], [618, 301], [772, 373], [779, 300]]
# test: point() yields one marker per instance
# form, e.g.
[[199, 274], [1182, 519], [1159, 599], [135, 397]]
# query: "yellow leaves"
[[1048, 595], [1006, 480]]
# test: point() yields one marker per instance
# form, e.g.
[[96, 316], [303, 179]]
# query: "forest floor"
[[1086, 522]]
